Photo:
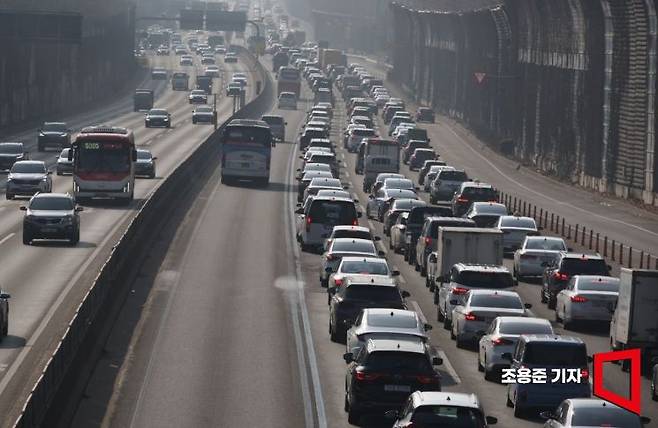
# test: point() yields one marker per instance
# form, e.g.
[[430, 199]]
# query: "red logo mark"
[[633, 403]]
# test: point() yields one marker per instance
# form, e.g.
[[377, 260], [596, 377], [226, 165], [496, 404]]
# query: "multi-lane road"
[[235, 328], [47, 281]]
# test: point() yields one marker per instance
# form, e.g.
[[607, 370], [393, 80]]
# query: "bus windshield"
[[102, 157]]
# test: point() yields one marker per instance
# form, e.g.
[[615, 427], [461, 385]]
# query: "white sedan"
[[479, 309], [501, 337], [535, 253], [380, 323], [342, 247], [587, 298], [375, 267]]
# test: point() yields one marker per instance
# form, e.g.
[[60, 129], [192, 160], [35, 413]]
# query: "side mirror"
[[427, 327], [22, 208], [507, 356], [429, 140], [547, 415], [454, 302], [328, 270], [359, 214], [416, 188], [395, 273], [134, 156], [299, 170], [348, 357], [405, 294], [381, 253], [78, 209], [491, 420], [299, 211], [644, 420], [346, 187], [437, 361], [285, 123], [527, 305], [50, 173]]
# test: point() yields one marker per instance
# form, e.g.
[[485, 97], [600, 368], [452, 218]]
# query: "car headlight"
[[41, 134], [67, 220], [44, 179], [166, 119]]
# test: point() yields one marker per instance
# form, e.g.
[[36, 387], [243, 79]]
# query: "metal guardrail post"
[[605, 246], [614, 248]]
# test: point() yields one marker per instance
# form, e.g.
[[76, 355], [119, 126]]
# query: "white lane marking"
[[371, 224], [446, 362], [7, 238], [301, 299], [556, 201], [402, 280]]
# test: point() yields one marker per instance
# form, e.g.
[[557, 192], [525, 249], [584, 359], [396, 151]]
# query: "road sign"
[[479, 76], [217, 20], [191, 19]]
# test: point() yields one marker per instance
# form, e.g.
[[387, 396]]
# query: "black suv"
[[358, 293], [415, 222], [556, 277], [383, 374], [54, 134], [470, 192], [51, 216], [10, 153]]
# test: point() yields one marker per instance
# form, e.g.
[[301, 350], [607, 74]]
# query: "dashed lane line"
[[7, 238]]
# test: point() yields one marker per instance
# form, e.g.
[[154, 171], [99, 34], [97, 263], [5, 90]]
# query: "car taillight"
[[355, 222], [500, 341], [427, 379], [470, 317], [338, 282], [330, 257], [428, 241], [462, 199], [584, 374], [459, 290], [309, 220], [560, 276], [578, 299], [365, 376]]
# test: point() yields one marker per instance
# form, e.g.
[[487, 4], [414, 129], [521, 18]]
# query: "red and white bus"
[[103, 163]]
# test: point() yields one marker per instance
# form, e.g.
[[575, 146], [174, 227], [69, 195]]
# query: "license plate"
[[49, 230], [397, 388]]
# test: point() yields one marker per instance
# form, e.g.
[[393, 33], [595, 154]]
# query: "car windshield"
[[522, 222], [363, 132], [141, 154], [604, 417], [54, 127], [52, 203], [397, 183], [485, 279], [448, 417], [356, 246], [332, 212], [158, 112], [495, 209], [496, 301], [392, 320], [198, 92], [598, 284], [401, 194], [326, 182], [584, 267], [102, 157], [273, 120], [398, 362], [521, 327], [11, 148], [334, 193], [364, 267], [64, 154], [28, 168], [548, 244], [448, 175], [555, 354]]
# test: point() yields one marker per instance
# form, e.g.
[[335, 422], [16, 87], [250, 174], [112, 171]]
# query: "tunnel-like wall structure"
[[42, 80], [567, 86]]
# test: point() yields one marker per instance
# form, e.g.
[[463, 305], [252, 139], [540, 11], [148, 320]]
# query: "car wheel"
[[489, 374], [416, 266], [405, 255], [567, 324], [152, 175], [59, 173], [9, 196], [428, 283], [509, 402], [353, 416], [439, 315], [75, 238], [447, 324], [453, 336], [333, 335], [557, 316], [519, 412], [27, 238], [423, 271], [480, 366], [551, 303]]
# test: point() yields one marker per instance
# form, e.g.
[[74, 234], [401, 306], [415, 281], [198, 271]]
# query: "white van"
[[316, 221]]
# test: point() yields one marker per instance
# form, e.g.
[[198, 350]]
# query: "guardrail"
[[618, 252], [93, 317]]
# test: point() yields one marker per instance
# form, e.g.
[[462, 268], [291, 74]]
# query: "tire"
[[480, 366], [490, 375], [519, 412], [27, 238], [509, 402], [5, 328], [152, 175], [416, 266], [428, 283], [439, 315], [447, 324], [542, 295], [654, 395], [423, 271], [59, 173], [551, 303], [557, 317], [406, 256], [75, 238], [452, 334], [353, 416]]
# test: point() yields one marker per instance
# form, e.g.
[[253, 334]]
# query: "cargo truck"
[[635, 318], [332, 57], [375, 156], [280, 59]]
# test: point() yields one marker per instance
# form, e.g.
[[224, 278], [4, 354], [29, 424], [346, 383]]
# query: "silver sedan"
[[380, 323], [501, 338], [535, 253], [587, 298], [515, 230]]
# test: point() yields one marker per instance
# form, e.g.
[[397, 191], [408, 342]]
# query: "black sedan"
[[54, 134], [145, 165], [157, 117]]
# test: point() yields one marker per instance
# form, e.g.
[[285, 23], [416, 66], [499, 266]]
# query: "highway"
[[47, 281], [223, 338]]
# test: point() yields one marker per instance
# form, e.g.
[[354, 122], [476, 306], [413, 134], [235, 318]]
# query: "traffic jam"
[[374, 193]]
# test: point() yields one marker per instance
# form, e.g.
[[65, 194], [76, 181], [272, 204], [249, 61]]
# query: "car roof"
[[143, 151], [475, 267], [595, 278], [30, 162], [52, 195], [353, 241], [324, 181], [523, 320], [574, 255], [410, 344], [370, 280], [363, 259], [459, 399], [485, 291], [551, 338], [423, 149], [392, 312], [331, 198], [590, 403]]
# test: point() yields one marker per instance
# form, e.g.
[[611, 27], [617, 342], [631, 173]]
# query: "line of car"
[[480, 306]]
